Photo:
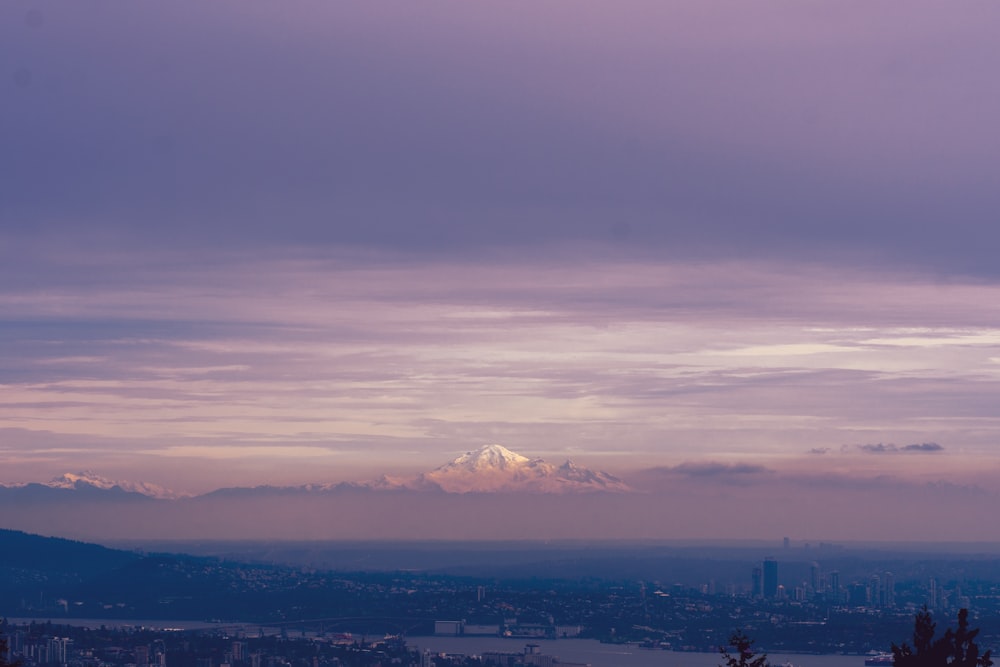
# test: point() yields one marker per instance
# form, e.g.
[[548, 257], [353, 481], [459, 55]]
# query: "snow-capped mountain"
[[489, 469], [87, 481], [88, 478], [494, 468]]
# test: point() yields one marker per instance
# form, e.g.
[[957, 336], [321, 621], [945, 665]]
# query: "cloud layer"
[[342, 370], [677, 129], [252, 242], [881, 448]]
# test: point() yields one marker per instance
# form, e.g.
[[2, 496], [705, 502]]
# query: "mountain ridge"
[[491, 468], [89, 481]]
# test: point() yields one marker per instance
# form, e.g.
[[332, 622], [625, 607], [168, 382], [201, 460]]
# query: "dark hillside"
[[56, 556]]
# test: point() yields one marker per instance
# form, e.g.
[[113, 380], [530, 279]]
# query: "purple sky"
[[248, 242]]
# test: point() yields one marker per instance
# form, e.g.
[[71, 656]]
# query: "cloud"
[[881, 448], [819, 450], [877, 449], [714, 469], [924, 447]]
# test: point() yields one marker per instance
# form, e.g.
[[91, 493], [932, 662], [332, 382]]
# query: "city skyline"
[[736, 253]]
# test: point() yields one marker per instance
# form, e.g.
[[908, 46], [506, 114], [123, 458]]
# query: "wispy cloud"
[[712, 469], [447, 354], [923, 447], [881, 448]]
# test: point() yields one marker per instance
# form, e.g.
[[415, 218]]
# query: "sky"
[[729, 243]]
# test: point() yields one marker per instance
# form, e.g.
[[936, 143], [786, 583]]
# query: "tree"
[[4, 662], [743, 654], [956, 648]]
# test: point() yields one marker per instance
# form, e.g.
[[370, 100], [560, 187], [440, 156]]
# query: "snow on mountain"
[[488, 458], [389, 483], [382, 483], [489, 469], [571, 472], [88, 479], [494, 468]]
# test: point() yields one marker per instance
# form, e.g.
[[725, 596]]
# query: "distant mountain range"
[[83, 480], [88, 483], [489, 469], [489, 493]]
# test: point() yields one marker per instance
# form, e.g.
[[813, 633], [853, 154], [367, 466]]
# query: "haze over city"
[[741, 256]]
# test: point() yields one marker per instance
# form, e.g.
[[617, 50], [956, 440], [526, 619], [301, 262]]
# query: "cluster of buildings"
[[150, 648], [510, 627], [42, 651], [531, 656], [143, 647], [30, 648], [877, 592]]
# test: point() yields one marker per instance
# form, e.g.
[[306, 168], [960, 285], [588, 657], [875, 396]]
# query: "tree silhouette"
[[4, 662], [956, 648], [743, 654]]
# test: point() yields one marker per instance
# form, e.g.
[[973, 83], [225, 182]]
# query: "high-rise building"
[[757, 583], [239, 650], [888, 590], [877, 596], [815, 580], [770, 578], [56, 649], [859, 594]]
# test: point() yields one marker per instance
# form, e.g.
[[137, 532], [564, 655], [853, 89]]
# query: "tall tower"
[[757, 585], [814, 577], [875, 591], [889, 590], [770, 578], [835, 584]]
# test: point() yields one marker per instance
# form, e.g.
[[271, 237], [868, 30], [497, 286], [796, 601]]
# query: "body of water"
[[586, 651]]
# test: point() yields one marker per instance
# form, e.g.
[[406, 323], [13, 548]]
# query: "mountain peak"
[[494, 468], [72, 480], [89, 479], [488, 457]]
